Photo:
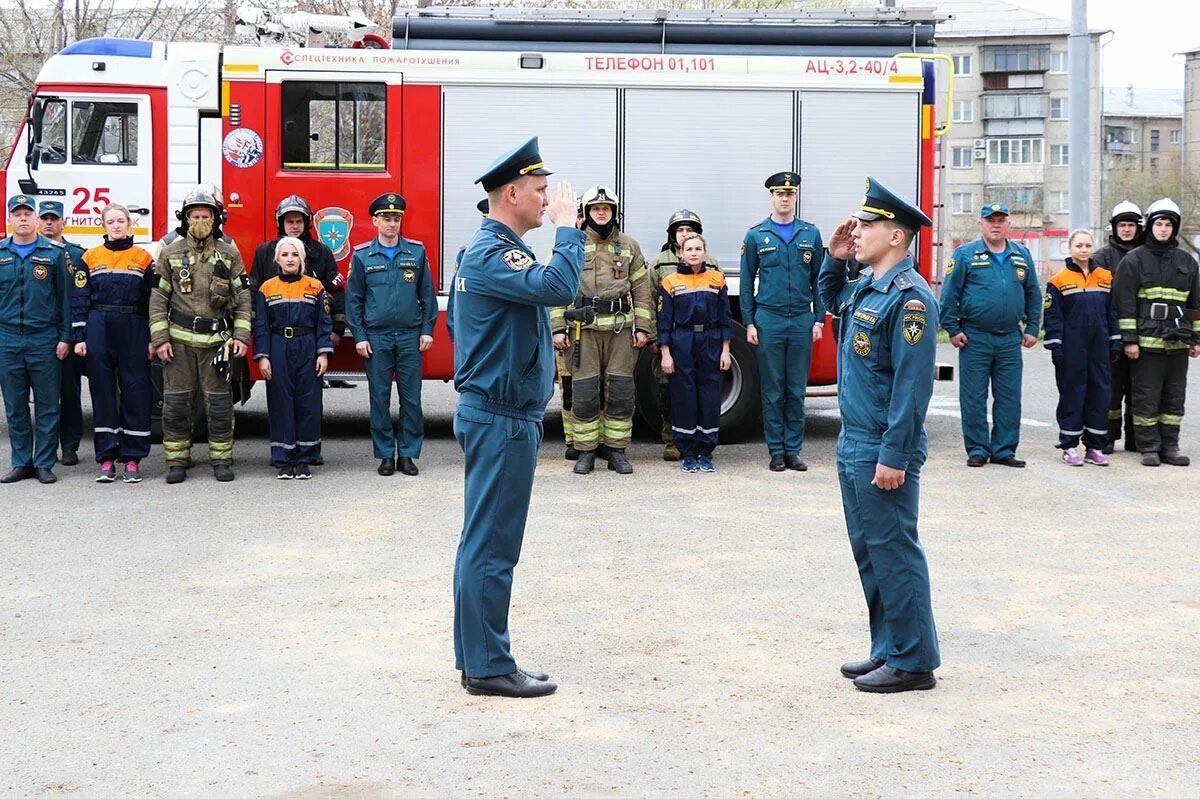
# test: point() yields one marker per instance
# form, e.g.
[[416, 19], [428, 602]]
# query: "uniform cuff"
[[893, 459]]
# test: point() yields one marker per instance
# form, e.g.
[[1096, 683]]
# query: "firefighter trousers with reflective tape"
[[1159, 392], [602, 389], [191, 373], [562, 364]]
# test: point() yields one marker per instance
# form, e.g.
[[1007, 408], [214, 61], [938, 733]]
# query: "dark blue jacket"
[[993, 292], [1079, 313], [385, 294], [786, 272], [691, 298], [115, 276], [282, 302], [35, 292], [503, 356]]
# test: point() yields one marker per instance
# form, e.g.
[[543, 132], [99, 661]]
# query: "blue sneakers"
[[689, 464], [706, 464]]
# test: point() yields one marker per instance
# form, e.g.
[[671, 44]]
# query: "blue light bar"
[[130, 48]]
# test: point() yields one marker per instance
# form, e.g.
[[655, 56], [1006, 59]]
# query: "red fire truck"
[[671, 110]]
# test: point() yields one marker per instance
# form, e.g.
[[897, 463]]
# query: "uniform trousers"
[[119, 382], [990, 360], [1122, 392], [602, 389], [189, 373], [696, 390], [882, 526], [662, 385], [29, 362], [294, 400], [1083, 374], [1159, 393], [70, 419], [562, 363], [500, 454], [784, 354], [395, 352]]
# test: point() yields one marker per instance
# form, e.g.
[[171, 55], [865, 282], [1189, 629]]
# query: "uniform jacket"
[[1109, 256], [35, 292], [886, 359], [187, 275], [110, 276], [688, 299], [281, 302], [385, 294], [995, 292], [1158, 294], [786, 273], [74, 255], [836, 287], [1079, 310], [614, 268], [503, 357], [667, 263], [318, 262]]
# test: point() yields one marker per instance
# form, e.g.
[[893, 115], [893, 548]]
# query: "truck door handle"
[[139, 211]]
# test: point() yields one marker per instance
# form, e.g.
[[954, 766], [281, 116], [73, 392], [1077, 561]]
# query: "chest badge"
[[862, 344], [1021, 274], [808, 256], [40, 271], [409, 276], [517, 260], [80, 278]]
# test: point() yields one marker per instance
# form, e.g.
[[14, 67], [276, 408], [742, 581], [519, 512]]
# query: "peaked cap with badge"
[[783, 181], [880, 202], [390, 203], [525, 159], [50, 208], [993, 208], [20, 201]]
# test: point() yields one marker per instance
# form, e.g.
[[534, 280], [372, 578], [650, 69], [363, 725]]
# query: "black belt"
[[694, 328], [603, 306], [1160, 311], [291, 331], [199, 324], [115, 308]]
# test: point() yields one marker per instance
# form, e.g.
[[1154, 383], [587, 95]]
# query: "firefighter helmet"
[[1125, 211], [599, 195], [1164, 207], [293, 203], [201, 195], [684, 217]]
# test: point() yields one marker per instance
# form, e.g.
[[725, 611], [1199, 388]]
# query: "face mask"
[[200, 229]]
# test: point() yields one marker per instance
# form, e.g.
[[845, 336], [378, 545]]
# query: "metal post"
[[1079, 122]]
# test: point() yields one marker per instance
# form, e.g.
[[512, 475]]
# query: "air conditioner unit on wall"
[[980, 144], [980, 153]]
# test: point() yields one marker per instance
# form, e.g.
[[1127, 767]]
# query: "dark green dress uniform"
[[70, 405], [885, 380], [784, 305], [35, 315], [504, 375], [989, 296], [391, 302]]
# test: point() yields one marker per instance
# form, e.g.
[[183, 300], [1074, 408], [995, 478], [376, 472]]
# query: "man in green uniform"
[[70, 422]]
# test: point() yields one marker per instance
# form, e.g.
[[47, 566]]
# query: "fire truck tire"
[[741, 414]]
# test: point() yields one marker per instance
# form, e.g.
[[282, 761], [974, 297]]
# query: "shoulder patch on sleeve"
[[81, 278], [517, 260], [914, 305]]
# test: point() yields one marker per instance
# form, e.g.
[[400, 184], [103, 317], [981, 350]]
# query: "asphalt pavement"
[[292, 639]]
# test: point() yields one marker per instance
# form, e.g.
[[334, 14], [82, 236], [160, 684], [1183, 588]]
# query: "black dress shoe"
[[387, 467], [795, 464], [571, 454], [886, 680], [777, 464], [45, 476], [406, 466], [857, 668], [70, 458], [1009, 460], [976, 461], [18, 474], [518, 685], [537, 675], [586, 462]]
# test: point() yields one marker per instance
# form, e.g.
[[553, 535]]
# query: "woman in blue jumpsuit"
[[110, 311], [292, 345], [693, 340]]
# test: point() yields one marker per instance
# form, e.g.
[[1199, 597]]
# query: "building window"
[[1058, 62], [1058, 202], [1014, 106], [1058, 108], [964, 110], [1014, 151], [334, 126], [962, 157], [1153, 141], [1176, 136], [1060, 154], [1020, 199], [962, 202], [1018, 58], [962, 64]]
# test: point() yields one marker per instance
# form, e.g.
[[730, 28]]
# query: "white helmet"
[[1164, 207], [1126, 211]]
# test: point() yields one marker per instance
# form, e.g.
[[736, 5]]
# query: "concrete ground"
[[267, 639]]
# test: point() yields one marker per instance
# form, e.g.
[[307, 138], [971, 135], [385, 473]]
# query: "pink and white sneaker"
[[1095, 457], [133, 474], [108, 472], [1072, 458]]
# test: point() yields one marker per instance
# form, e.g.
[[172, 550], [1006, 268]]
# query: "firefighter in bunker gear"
[[1125, 234]]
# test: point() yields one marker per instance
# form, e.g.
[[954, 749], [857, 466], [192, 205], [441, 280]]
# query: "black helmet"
[[293, 203], [207, 195], [683, 216]]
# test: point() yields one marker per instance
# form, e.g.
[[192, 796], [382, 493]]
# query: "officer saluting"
[[503, 371], [885, 379]]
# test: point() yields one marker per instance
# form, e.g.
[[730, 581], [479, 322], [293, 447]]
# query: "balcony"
[[1119, 146]]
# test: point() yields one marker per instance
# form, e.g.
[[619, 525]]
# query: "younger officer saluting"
[[70, 421], [392, 307], [885, 379], [35, 326], [783, 313], [991, 291]]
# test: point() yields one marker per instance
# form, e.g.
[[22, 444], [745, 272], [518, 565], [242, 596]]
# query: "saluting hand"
[[841, 245], [563, 206]]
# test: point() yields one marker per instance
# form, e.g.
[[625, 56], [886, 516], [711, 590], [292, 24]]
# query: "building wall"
[[1191, 149]]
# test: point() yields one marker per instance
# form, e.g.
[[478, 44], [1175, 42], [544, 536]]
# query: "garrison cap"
[[517, 162], [390, 203], [483, 206], [783, 181], [993, 208], [50, 208], [880, 202], [20, 201]]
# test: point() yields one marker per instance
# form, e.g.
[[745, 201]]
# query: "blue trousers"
[[28, 362], [990, 359], [395, 352], [891, 561], [1083, 371], [784, 354], [70, 408], [501, 455], [695, 391], [294, 400], [119, 382]]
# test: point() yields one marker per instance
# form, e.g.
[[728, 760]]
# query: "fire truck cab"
[[670, 110]]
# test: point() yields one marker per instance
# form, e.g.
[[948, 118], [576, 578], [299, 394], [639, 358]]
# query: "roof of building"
[[1132, 101], [972, 18]]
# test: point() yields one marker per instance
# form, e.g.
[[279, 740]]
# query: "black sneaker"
[[285, 473], [303, 472]]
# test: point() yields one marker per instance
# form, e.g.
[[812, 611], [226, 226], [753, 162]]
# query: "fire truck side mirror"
[[33, 154]]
